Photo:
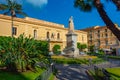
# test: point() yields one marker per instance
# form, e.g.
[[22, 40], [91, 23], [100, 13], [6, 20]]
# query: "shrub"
[[56, 49], [81, 47], [76, 61], [114, 57], [21, 53]]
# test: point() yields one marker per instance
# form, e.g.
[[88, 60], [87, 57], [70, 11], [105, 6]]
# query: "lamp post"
[[48, 44], [49, 55]]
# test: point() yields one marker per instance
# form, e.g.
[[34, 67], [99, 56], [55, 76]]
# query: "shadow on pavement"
[[71, 72]]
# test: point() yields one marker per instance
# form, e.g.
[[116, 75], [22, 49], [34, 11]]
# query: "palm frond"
[[117, 3], [21, 13], [3, 7], [84, 5], [9, 2], [12, 8], [18, 7]]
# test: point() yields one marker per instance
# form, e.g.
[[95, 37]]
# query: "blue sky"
[[59, 11]]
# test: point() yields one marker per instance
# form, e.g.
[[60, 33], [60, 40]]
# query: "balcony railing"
[[51, 39]]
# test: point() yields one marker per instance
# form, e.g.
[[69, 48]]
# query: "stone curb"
[[89, 75]]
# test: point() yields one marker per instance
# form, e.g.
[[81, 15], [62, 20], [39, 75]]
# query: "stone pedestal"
[[71, 49]]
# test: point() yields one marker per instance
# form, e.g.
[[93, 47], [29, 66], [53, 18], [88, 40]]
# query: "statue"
[[71, 25]]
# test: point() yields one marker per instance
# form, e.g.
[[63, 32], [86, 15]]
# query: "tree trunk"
[[110, 25], [12, 16], [12, 26]]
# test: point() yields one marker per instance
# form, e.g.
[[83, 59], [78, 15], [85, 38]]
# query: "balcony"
[[55, 40], [51, 39], [90, 38]]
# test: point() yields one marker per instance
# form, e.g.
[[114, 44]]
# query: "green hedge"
[[114, 57], [77, 61]]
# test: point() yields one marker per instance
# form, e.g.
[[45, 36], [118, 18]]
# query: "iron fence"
[[45, 75]]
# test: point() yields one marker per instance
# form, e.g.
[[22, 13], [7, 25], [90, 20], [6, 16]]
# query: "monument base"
[[70, 52]]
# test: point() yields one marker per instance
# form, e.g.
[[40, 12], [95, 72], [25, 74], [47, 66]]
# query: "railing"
[[46, 74], [51, 39], [102, 74]]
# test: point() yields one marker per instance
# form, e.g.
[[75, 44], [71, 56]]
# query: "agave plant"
[[20, 54]]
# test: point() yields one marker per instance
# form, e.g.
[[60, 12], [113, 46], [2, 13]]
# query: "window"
[[98, 31], [106, 42], [105, 30], [102, 35], [35, 33], [52, 36], [90, 36], [90, 41], [98, 35], [90, 32], [48, 35], [111, 33], [98, 42], [106, 35], [58, 35], [82, 38], [14, 30]]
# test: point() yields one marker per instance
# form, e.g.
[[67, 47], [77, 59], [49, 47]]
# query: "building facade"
[[38, 29], [101, 37]]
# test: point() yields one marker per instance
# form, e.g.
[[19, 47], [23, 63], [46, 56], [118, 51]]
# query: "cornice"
[[80, 31], [37, 22], [34, 21]]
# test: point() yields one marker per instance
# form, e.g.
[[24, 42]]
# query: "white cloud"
[[38, 3]]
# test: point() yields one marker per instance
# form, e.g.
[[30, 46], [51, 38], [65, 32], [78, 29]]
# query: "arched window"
[[52, 35], [35, 33], [58, 35], [82, 38], [106, 42], [98, 42], [48, 35]]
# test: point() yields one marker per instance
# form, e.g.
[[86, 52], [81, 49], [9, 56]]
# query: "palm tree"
[[13, 9], [87, 5]]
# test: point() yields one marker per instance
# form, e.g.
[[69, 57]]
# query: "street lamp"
[[49, 55], [48, 44]]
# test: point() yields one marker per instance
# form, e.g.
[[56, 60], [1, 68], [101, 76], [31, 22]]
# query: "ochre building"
[[101, 37], [38, 29]]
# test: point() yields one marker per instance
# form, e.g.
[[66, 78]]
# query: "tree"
[[81, 47], [87, 5], [13, 9], [84, 46], [91, 48], [56, 49]]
